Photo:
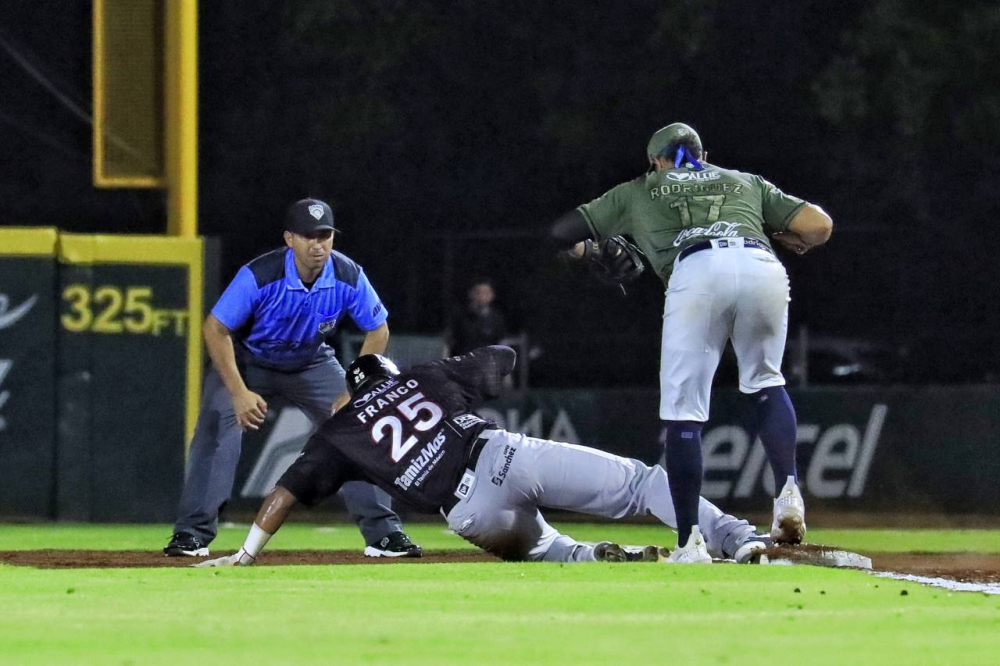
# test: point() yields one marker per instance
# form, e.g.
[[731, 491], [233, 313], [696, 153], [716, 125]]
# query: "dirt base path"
[[965, 567], [102, 559]]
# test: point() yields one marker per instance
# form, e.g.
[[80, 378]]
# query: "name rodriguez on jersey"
[[668, 189]]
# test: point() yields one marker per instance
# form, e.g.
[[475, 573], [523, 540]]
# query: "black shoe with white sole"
[[182, 544], [396, 544]]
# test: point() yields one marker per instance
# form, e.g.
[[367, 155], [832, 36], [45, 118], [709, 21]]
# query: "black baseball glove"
[[613, 261]]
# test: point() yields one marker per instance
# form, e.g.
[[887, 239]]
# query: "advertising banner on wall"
[[27, 377], [860, 449]]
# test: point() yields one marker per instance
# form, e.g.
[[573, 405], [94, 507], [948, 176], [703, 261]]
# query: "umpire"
[[267, 338]]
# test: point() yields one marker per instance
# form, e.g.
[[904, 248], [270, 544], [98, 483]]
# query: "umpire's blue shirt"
[[283, 325]]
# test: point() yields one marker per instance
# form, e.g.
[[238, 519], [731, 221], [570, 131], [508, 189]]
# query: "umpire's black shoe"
[[396, 544], [183, 543]]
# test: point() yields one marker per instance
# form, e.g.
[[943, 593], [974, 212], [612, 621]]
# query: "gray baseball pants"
[[516, 474], [215, 449]]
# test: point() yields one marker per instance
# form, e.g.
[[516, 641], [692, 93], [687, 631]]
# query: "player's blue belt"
[[723, 242]]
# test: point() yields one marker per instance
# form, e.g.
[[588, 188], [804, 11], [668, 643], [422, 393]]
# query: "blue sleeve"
[[238, 301], [366, 307]]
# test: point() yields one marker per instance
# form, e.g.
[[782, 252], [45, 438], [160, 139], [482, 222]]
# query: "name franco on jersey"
[[384, 395]]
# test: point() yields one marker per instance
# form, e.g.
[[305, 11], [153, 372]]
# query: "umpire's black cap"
[[308, 216]]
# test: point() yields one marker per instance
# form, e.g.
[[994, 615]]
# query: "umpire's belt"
[[470, 471], [723, 243]]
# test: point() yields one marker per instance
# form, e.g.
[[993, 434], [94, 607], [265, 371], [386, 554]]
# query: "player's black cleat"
[[183, 543], [605, 551], [645, 553], [396, 544]]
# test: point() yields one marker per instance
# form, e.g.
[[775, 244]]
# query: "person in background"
[[479, 323]]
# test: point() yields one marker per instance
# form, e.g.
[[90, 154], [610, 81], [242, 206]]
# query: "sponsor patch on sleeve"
[[466, 421]]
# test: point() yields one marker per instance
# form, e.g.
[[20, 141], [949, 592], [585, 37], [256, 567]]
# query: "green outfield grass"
[[483, 613]]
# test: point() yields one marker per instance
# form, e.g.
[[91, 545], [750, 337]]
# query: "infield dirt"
[[965, 567]]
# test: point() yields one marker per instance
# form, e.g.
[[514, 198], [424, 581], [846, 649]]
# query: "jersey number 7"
[[392, 426]]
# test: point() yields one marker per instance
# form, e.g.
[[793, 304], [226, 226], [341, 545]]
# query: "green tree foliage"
[[913, 99], [914, 86], [922, 71]]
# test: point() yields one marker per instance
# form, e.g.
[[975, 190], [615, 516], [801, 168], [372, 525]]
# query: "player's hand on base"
[[791, 241], [227, 561], [250, 409]]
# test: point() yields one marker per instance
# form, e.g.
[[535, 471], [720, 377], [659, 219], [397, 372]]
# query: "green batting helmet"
[[671, 136]]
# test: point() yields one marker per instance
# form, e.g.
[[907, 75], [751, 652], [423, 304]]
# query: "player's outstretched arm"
[[480, 372], [269, 519], [613, 261], [569, 231], [571, 235]]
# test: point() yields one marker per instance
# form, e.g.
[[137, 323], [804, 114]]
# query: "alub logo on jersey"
[[686, 177]]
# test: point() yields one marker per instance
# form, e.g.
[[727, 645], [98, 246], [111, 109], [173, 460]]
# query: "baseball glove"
[[613, 261]]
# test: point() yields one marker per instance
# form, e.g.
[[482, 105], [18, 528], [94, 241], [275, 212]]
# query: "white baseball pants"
[[728, 292], [516, 474]]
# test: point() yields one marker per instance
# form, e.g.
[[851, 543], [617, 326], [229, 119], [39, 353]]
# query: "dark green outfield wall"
[[100, 375]]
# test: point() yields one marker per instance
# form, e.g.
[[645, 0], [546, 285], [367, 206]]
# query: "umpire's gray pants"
[[515, 475], [215, 449]]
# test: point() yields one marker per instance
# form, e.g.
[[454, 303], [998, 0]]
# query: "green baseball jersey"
[[666, 211]]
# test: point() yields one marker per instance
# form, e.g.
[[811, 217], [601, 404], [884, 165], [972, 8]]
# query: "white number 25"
[[392, 426]]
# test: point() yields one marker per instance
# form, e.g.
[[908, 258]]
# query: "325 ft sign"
[[113, 310]]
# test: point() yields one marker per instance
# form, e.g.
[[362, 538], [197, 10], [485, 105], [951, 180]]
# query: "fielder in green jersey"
[[707, 232], [666, 211]]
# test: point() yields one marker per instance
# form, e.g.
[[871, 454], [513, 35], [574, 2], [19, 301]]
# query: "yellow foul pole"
[[181, 153], [181, 100]]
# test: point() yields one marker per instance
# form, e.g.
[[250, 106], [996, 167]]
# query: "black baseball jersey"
[[409, 435]]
